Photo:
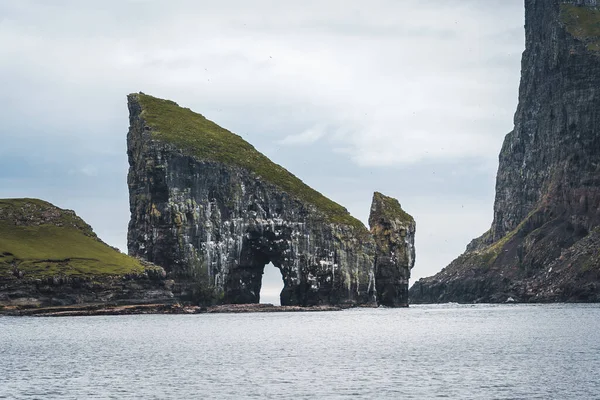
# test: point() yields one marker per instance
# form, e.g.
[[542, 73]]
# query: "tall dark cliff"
[[212, 210], [544, 242]]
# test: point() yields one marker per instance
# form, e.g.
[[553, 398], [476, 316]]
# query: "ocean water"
[[424, 352]]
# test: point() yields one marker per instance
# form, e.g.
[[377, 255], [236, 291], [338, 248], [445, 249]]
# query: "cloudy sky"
[[406, 97]]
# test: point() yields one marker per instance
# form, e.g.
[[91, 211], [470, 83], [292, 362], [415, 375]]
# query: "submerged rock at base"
[[213, 211], [544, 243]]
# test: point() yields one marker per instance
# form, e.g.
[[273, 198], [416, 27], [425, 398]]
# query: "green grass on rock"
[[204, 139], [389, 208], [582, 22], [41, 240]]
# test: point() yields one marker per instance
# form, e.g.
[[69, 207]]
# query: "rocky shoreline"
[[175, 308]]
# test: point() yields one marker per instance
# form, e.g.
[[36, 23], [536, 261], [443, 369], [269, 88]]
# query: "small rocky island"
[[208, 212], [544, 242], [212, 210]]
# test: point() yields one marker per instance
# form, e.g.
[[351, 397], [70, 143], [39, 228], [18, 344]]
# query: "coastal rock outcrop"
[[50, 257], [543, 244], [394, 233], [211, 209]]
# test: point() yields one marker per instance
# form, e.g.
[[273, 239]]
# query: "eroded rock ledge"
[[155, 308], [210, 209]]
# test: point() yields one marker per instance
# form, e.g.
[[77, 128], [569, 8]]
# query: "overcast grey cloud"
[[406, 97]]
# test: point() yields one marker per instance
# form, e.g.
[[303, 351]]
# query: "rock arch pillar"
[[244, 280]]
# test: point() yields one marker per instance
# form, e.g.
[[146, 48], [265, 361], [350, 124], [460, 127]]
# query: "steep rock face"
[[542, 243], [50, 256], [209, 208], [213, 211], [394, 233]]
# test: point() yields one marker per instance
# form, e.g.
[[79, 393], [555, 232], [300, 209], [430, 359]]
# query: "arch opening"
[[271, 285]]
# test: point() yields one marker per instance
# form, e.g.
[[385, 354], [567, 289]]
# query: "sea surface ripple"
[[424, 352]]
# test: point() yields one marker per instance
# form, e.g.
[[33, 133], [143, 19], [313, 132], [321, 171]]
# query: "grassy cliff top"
[[582, 22], [387, 208], [31, 212], [204, 139], [42, 240]]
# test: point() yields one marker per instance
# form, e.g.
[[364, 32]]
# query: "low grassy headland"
[[39, 240], [50, 256]]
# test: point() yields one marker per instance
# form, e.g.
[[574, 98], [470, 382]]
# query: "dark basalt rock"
[[212, 210], [543, 244], [394, 233]]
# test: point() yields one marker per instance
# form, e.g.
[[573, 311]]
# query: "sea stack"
[[210, 209], [394, 233]]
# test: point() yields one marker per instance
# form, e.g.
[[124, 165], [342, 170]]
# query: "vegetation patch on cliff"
[[389, 208], [583, 23], [204, 139], [32, 212], [40, 240]]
